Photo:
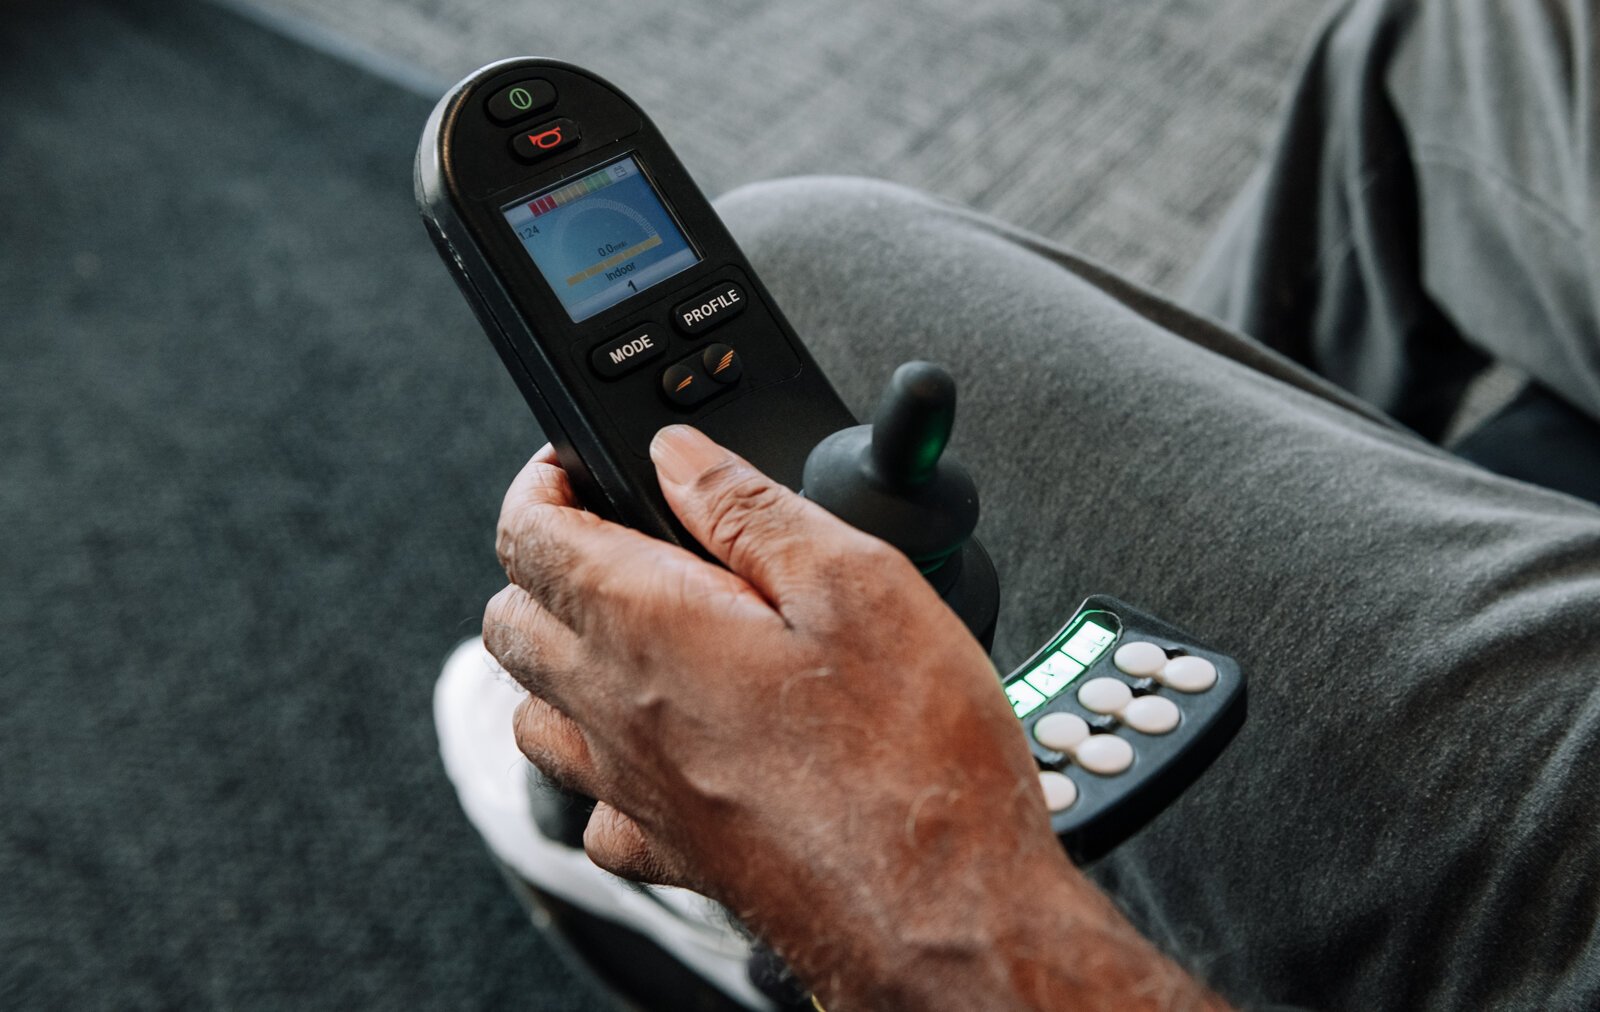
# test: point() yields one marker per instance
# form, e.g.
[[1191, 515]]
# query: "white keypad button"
[[1061, 731], [1104, 695], [1188, 674], [1141, 660], [1105, 754], [1151, 714], [1059, 791]]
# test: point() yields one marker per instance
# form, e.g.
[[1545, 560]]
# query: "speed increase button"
[[708, 309], [722, 363]]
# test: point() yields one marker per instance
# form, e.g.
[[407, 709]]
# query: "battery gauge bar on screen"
[[601, 236], [1079, 647]]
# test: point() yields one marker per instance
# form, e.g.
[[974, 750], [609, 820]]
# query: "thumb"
[[765, 533]]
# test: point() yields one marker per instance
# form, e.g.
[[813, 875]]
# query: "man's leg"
[[1407, 816], [1432, 203]]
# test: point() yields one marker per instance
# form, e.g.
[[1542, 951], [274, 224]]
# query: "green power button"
[[520, 100]]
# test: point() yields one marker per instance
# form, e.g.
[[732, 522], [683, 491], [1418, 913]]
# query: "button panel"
[[624, 354], [710, 308], [688, 382], [520, 100], [1129, 729], [1090, 741]]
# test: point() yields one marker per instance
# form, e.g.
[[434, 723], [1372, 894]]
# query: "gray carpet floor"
[[1121, 127], [249, 469], [252, 443]]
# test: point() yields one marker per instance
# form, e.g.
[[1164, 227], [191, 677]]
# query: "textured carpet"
[[251, 450], [1122, 128]]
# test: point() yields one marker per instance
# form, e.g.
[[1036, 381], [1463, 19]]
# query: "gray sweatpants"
[[1408, 818]]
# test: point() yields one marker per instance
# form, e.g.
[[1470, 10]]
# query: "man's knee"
[[804, 223]]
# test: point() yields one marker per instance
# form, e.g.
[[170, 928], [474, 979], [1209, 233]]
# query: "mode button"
[[626, 353]]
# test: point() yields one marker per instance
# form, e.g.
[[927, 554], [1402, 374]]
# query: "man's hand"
[[808, 736]]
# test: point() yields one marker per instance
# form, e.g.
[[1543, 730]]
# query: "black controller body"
[[620, 304], [530, 141]]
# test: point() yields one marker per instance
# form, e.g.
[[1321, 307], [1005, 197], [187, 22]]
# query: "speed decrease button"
[[686, 386]]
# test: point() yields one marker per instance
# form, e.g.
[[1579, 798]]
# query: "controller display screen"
[[1078, 646], [600, 237]]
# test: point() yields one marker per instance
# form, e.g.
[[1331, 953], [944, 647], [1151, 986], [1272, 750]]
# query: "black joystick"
[[892, 480]]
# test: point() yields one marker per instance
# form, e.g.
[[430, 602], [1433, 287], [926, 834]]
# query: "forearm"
[[1040, 937]]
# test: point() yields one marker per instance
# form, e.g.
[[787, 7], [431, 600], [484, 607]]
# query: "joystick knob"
[[893, 480]]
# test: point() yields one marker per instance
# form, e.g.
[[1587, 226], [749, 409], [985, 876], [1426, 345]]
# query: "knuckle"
[[521, 725], [499, 621], [545, 568], [879, 563], [518, 536], [616, 844], [524, 642], [532, 727], [547, 739], [741, 505], [857, 581], [526, 513]]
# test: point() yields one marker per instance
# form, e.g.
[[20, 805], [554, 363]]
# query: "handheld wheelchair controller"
[[619, 303]]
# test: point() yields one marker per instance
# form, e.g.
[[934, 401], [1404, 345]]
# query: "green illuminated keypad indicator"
[[1024, 698], [1088, 643], [1054, 674], [1081, 647]]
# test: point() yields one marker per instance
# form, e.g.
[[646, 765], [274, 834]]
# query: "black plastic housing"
[[466, 172]]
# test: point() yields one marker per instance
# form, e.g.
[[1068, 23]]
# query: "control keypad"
[[1092, 743], [1123, 737]]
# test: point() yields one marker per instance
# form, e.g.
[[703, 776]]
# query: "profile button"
[[624, 354], [708, 309], [686, 386], [520, 100], [545, 139], [722, 363]]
